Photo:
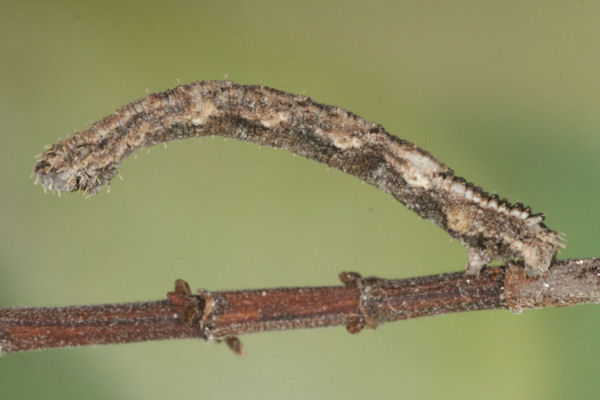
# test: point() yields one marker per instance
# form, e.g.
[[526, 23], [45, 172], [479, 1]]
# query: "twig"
[[360, 302]]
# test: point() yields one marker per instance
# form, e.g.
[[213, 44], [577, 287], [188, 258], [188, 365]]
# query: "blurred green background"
[[507, 93]]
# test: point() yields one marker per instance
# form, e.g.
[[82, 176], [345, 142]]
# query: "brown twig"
[[360, 302]]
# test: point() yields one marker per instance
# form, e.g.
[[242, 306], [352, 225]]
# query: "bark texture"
[[358, 303]]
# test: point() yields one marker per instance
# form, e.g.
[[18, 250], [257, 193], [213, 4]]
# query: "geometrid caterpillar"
[[488, 227]]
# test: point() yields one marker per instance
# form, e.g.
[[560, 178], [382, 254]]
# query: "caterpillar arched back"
[[489, 227]]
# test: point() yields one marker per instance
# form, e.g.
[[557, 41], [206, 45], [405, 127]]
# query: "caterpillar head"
[[65, 169]]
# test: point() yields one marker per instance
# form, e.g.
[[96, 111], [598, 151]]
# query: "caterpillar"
[[489, 227]]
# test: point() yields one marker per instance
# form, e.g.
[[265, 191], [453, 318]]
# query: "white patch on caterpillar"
[[515, 212], [515, 245], [459, 219], [341, 140], [535, 220], [345, 142], [493, 204], [477, 197], [418, 169], [422, 162], [207, 110], [469, 194], [275, 119], [458, 188]]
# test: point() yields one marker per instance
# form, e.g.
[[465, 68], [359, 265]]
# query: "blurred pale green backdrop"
[[507, 93]]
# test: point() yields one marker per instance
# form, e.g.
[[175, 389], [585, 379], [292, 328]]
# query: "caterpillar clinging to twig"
[[488, 227]]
